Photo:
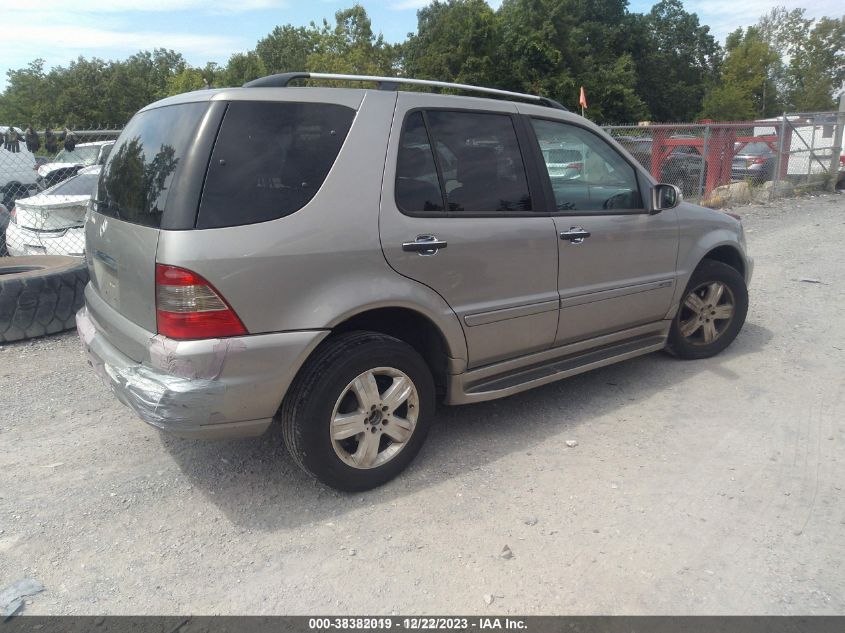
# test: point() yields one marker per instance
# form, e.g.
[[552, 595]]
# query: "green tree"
[[817, 68], [676, 61], [553, 47], [76, 98], [812, 57], [141, 79], [746, 89], [728, 102], [286, 48], [186, 81], [456, 40], [243, 67], [351, 47], [25, 98]]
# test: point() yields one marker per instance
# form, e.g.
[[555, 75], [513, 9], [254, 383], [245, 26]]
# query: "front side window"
[[479, 168], [488, 174], [586, 173]]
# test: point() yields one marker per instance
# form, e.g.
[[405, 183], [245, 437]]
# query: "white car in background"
[[564, 161], [52, 222], [17, 169], [68, 163]]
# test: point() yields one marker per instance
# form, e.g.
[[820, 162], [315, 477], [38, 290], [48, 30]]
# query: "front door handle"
[[424, 245], [575, 234]]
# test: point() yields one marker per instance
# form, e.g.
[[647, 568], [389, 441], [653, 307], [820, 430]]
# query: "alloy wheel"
[[374, 417], [707, 312]]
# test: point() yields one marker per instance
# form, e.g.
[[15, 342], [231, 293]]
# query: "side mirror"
[[665, 197]]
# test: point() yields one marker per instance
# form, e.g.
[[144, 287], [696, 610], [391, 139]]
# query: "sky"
[[211, 30]]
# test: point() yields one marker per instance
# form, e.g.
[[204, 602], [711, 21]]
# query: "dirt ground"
[[695, 487]]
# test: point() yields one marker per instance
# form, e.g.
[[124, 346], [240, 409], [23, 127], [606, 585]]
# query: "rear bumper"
[[750, 173], [201, 389], [26, 242]]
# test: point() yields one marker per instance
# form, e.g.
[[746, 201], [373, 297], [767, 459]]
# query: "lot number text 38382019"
[[413, 624]]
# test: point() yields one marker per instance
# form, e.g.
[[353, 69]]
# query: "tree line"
[[663, 65]]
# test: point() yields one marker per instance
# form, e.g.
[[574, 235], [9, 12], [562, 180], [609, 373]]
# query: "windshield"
[[82, 185], [80, 155], [756, 149]]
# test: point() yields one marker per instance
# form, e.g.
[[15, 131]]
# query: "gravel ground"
[[695, 487]]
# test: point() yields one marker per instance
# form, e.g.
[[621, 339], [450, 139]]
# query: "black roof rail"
[[282, 80]]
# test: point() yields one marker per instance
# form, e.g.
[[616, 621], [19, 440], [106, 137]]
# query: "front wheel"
[[359, 410], [711, 314]]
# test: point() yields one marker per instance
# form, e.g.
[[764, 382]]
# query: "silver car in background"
[[343, 259]]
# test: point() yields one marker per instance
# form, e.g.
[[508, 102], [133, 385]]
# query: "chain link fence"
[[47, 178], [734, 163]]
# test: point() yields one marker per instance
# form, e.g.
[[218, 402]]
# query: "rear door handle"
[[575, 234], [424, 245]]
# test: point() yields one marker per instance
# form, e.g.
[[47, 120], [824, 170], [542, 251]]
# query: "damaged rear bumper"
[[201, 389]]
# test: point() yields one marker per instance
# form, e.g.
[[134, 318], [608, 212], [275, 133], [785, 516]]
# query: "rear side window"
[[488, 173], [145, 163], [270, 159], [478, 169], [417, 185]]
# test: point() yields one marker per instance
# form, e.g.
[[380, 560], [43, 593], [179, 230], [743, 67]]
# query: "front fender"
[[701, 232]]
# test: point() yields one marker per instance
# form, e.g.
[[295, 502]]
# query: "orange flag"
[[582, 101]]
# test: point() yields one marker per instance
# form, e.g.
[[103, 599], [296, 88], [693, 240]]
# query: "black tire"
[[306, 412], [40, 295], [710, 271]]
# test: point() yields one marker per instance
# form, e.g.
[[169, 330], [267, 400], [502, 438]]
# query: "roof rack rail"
[[281, 80]]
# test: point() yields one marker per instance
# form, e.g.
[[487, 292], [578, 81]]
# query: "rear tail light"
[[757, 161], [188, 307], [842, 160], [13, 216], [574, 166]]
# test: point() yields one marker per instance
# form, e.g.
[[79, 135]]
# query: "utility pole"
[[837, 141]]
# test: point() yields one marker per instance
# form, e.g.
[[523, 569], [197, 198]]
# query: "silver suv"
[[343, 259]]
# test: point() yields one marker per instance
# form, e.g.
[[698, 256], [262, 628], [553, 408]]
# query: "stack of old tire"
[[39, 295]]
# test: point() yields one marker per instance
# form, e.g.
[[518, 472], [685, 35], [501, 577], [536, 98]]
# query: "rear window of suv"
[[270, 159], [145, 163]]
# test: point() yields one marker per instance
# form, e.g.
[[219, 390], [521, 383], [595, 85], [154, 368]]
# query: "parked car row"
[[21, 171], [682, 168], [68, 163], [36, 216], [685, 167]]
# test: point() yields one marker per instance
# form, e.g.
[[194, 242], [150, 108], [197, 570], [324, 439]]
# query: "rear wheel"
[[359, 410], [712, 312]]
